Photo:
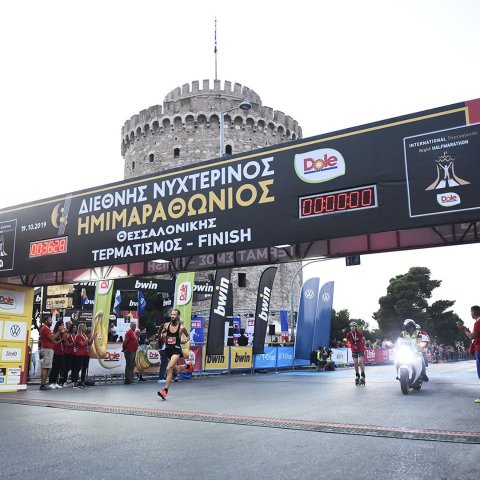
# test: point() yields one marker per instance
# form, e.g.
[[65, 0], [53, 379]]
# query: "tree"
[[407, 297], [341, 323]]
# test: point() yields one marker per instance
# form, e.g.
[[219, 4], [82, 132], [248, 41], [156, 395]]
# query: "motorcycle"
[[409, 366]]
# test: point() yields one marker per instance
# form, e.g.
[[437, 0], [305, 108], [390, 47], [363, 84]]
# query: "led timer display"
[[337, 202], [52, 246]]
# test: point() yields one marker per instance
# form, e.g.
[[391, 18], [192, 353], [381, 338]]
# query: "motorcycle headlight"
[[404, 355]]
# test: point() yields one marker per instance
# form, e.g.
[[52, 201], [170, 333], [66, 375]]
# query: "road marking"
[[285, 424]]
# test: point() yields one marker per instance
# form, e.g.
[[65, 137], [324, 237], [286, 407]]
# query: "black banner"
[[263, 306], [419, 170], [219, 311]]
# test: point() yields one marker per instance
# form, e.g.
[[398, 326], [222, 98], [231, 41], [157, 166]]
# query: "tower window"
[[228, 150], [151, 157], [133, 165], [176, 153], [242, 279]]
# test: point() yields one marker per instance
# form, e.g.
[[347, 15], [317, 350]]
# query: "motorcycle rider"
[[412, 335]]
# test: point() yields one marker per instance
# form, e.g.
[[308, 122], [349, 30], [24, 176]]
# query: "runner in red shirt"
[[356, 339]]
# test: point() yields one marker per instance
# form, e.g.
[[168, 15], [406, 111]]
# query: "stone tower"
[[186, 130]]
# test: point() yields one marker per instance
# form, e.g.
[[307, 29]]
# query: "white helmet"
[[353, 323], [409, 321]]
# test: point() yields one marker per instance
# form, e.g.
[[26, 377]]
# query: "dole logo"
[[184, 293], [104, 286], [7, 302], [319, 165], [448, 199]]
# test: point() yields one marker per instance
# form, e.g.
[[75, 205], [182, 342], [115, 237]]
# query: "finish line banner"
[[325, 187]]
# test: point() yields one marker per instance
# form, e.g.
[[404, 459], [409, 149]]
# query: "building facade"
[[186, 130]]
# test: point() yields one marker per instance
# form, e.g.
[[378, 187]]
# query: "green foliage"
[[341, 323], [407, 297]]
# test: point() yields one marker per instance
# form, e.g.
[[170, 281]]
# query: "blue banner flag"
[[323, 318], [116, 304], [284, 321], [142, 303], [306, 318]]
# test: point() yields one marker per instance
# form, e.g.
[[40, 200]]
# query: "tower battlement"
[[191, 106]]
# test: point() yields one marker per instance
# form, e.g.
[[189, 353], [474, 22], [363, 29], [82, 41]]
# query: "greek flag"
[[142, 303], [116, 305]]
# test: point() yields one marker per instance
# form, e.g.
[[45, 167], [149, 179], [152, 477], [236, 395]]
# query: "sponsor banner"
[[241, 358], [15, 321], [323, 317], [56, 290], [216, 362], [145, 284], [285, 357], [267, 359], [378, 355], [203, 291], [341, 355], [249, 329], [16, 331], [101, 318], [307, 308], [11, 301], [197, 331], [262, 309], [441, 177], [196, 358], [184, 296], [219, 312]]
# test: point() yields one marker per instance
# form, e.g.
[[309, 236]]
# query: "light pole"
[[245, 106]]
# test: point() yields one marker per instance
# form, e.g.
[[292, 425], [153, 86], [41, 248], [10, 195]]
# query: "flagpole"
[[215, 50]]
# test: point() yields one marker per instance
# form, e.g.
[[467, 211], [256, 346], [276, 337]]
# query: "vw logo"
[[326, 297], [14, 330], [309, 294]]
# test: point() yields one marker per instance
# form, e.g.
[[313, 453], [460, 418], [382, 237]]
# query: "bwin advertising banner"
[[219, 312], [323, 318], [306, 318], [263, 306]]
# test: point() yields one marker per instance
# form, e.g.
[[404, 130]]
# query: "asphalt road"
[[288, 425]]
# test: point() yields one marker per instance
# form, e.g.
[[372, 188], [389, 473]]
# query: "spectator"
[[112, 333], [474, 335], [82, 359], [57, 363], [242, 339], [130, 347], [69, 352], [47, 339]]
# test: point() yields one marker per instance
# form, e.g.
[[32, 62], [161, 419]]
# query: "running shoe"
[[163, 394], [477, 400], [46, 387]]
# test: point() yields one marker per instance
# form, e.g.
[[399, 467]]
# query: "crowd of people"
[[65, 350], [64, 354]]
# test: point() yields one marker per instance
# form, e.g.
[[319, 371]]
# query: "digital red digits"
[[339, 201], [51, 246]]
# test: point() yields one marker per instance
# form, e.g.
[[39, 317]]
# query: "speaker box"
[[271, 329]]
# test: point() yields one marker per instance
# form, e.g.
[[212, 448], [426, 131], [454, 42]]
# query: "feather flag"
[[116, 304]]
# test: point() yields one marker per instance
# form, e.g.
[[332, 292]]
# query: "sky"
[[74, 72]]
